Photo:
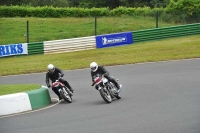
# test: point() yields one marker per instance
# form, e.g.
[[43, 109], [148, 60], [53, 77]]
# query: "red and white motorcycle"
[[107, 89], [65, 93]]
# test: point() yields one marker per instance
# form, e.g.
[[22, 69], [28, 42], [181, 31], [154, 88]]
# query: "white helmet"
[[94, 66], [51, 68]]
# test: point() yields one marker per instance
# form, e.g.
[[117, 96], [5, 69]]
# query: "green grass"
[[12, 30], [9, 89], [168, 49]]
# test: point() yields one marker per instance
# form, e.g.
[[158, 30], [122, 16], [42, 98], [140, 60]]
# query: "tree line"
[[177, 10], [89, 3]]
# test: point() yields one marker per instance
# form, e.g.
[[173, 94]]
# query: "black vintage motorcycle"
[[65, 93], [107, 89]]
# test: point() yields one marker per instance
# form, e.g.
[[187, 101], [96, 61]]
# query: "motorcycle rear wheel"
[[105, 95]]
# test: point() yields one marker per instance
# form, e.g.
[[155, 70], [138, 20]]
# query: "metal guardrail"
[[35, 48], [166, 32], [86, 43], [69, 45]]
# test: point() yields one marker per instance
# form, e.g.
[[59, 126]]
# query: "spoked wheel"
[[105, 95], [65, 96]]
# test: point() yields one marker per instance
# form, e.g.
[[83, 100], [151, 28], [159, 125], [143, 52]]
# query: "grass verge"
[[16, 88], [168, 49]]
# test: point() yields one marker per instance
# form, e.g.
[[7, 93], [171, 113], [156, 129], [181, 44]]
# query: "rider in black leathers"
[[53, 74], [95, 69]]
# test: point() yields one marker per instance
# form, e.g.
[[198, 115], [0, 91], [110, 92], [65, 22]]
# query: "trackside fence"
[[166, 32], [69, 45], [35, 48], [86, 43]]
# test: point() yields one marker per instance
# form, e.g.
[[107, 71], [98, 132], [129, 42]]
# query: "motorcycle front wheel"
[[105, 95], [65, 96]]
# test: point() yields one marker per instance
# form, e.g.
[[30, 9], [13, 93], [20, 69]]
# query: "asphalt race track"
[[161, 97]]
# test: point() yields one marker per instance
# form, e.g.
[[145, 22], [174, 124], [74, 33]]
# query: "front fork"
[[67, 91]]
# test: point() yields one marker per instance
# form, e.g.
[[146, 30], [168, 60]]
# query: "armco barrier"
[[25, 101], [166, 32], [69, 45], [86, 43], [35, 48]]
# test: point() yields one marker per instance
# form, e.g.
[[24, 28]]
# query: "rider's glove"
[[61, 75], [105, 75], [92, 84]]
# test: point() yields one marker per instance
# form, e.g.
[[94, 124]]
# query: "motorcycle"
[[65, 93], [107, 89]]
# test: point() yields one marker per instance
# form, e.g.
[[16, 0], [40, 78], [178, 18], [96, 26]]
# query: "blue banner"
[[13, 49], [117, 39]]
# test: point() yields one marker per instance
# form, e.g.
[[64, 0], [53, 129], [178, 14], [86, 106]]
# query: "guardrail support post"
[[95, 26], [27, 32], [156, 19]]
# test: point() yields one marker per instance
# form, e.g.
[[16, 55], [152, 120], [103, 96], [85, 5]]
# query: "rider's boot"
[[68, 86], [71, 89], [60, 98], [70, 93], [116, 83], [118, 86]]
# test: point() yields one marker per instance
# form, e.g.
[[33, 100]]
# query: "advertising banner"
[[13, 49], [117, 39]]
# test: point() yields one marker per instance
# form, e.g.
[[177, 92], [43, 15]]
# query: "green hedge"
[[182, 10], [44, 12]]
